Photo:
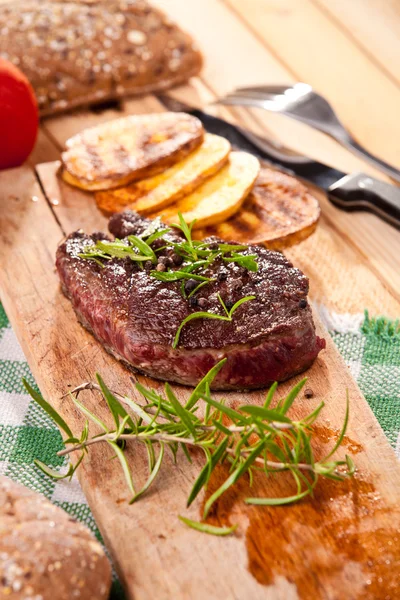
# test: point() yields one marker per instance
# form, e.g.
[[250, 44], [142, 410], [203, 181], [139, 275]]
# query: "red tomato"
[[19, 119]]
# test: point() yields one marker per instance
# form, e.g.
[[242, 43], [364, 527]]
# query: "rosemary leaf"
[[156, 235], [277, 501], [186, 453], [150, 454], [292, 395], [232, 247], [89, 414], [181, 411], [56, 475], [151, 477], [124, 464], [244, 467], [201, 386], [221, 427], [143, 247], [309, 420], [230, 412], [270, 394], [138, 409], [350, 465], [206, 528], [248, 261], [115, 406], [205, 473], [193, 316], [265, 413], [53, 414], [239, 303], [276, 451], [177, 275], [197, 288], [344, 427]]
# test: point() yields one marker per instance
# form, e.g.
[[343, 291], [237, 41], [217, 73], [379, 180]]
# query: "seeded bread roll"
[[46, 554], [82, 52]]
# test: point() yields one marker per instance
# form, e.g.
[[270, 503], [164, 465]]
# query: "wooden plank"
[[339, 69], [45, 149], [69, 207], [374, 26], [156, 555]]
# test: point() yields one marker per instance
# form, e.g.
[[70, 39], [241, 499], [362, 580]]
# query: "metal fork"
[[301, 103]]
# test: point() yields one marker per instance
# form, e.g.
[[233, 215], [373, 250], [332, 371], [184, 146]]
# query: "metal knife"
[[354, 191]]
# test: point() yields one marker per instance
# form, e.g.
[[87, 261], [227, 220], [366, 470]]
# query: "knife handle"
[[361, 192]]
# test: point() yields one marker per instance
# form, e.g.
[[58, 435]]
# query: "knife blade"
[[351, 192]]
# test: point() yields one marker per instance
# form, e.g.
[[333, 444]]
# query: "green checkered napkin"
[[370, 347]]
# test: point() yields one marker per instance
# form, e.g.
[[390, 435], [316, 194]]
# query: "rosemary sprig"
[[196, 255], [207, 315], [257, 438]]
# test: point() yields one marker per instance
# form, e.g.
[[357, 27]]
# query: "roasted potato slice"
[[159, 191], [117, 152], [219, 197], [279, 212]]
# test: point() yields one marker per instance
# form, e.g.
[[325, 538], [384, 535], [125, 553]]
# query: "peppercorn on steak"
[[172, 307]]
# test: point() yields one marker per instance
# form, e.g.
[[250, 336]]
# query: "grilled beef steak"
[[136, 316]]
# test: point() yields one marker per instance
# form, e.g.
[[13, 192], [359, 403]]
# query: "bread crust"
[[45, 553], [88, 52]]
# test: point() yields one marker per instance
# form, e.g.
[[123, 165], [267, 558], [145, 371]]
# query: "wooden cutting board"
[[344, 544]]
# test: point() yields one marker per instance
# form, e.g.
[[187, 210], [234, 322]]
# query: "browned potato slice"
[[117, 152], [176, 182], [279, 212], [219, 197]]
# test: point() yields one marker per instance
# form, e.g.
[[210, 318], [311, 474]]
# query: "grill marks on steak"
[[136, 316]]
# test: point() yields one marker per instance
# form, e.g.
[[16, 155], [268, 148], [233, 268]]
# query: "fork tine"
[[264, 89], [253, 94], [241, 100], [234, 100]]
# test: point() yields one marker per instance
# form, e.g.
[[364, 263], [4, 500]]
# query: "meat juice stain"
[[342, 544]]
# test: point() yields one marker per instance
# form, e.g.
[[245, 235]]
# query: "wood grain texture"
[[328, 70], [374, 26], [157, 556]]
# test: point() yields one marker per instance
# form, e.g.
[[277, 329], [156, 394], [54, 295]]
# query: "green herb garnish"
[[207, 315], [196, 255], [263, 439], [206, 528], [177, 275]]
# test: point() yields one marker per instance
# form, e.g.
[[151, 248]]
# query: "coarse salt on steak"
[[136, 316]]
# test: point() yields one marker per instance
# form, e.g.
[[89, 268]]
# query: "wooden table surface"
[[350, 52]]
